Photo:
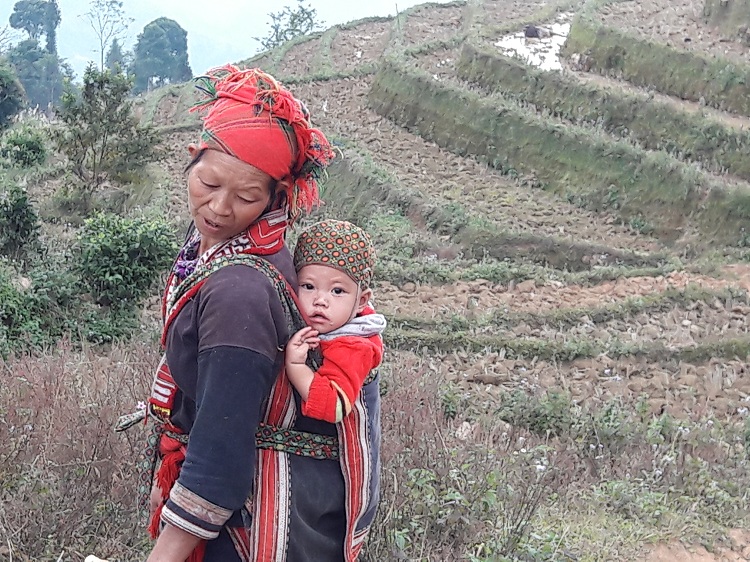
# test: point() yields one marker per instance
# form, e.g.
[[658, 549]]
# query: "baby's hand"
[[300, 343]]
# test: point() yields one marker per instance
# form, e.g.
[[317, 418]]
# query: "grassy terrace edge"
[[568, 159], [567, 317], [357, 181], [528, 348], [718, 82], [654, 124]]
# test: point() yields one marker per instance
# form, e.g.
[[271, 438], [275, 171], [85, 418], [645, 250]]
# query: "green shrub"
[[19, 222], [55, 292], [13, 98], [551, 414], [115, 324], [24, 147], [19, 325], [120, 258], [99, 133]]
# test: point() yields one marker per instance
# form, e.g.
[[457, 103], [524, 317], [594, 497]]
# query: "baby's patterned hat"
[[338, 244]]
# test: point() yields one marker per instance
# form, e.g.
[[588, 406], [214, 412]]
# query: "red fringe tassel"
[[173, 455]]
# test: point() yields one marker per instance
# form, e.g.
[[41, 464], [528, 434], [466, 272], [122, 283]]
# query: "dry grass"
[[68, 485], [459, 482]]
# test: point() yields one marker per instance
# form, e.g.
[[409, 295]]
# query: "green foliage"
[[19, 325], [551, 414], [107, 19], [19, 222], [639, 224], [40, 72], [117, 58], [102, 327], [24, 146], [12, 95], [121, 258], [99, 133], [489, 511], [289, 23], [31, 16], [37, 18], [160, 55], [55, 294]]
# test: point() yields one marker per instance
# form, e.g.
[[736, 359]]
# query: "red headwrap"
[[254, 118]]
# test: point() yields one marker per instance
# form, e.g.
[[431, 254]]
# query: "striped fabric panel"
[[193, 514], [270, 532], [356, 466]]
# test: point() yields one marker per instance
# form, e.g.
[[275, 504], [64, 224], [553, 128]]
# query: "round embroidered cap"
[[338, 244]]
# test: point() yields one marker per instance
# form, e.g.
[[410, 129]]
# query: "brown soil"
[[677, 23], [435, 23], [360, 45], [300, 60], [738, 550], [483, 297], [498, 12], [715, 388]]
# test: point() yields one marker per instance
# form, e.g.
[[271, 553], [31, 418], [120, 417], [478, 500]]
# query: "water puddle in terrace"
[[542, 52]]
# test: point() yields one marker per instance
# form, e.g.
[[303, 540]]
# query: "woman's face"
[[225, 195]]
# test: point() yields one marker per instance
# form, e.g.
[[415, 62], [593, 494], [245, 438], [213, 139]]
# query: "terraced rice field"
[[500, 284], [511, 205]]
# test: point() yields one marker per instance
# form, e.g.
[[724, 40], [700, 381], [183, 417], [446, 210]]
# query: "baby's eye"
[[307, 286], [338, 291]]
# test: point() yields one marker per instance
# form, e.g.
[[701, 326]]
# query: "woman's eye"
[[208, 184], [247, 201]]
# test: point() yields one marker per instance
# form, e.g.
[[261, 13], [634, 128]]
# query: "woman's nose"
[[220, 204]]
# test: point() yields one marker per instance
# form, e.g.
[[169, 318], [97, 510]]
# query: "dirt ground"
[[678, 23], [738, 550]]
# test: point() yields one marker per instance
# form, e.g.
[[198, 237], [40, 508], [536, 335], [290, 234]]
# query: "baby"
[[334, 262]]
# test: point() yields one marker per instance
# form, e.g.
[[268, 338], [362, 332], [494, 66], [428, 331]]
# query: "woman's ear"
[[284, 185], [193, 150], [364, 299]]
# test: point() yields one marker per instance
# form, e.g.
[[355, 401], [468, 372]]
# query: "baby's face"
[[329, 297]]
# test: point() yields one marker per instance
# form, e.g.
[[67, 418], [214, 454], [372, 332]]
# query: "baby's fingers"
[[313, 342]]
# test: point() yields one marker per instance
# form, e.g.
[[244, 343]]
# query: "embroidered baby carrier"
[[356, 445]]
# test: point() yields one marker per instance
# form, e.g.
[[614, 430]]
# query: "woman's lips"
[[212, 225]]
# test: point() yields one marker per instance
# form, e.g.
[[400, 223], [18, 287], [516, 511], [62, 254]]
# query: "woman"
[[240, 473]]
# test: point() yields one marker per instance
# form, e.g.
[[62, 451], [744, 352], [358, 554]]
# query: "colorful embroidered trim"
[[294, 442]]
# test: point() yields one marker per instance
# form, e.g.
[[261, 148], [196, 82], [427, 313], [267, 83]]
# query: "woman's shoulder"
[[240, 306], [237, 285]]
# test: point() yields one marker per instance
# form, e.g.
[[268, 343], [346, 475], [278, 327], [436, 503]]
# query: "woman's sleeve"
[[239, 317], [346, 363]]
